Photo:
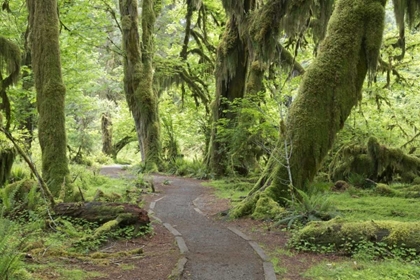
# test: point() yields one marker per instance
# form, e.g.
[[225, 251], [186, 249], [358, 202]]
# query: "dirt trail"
[[214, 252]]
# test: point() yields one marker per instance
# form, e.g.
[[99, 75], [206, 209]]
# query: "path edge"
[[179, 268], [269, 273]]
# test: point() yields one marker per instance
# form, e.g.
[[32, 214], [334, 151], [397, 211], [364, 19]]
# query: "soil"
[[195, 211]]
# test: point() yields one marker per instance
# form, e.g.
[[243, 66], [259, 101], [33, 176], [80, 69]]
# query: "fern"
[[305, 208], [10, 261]]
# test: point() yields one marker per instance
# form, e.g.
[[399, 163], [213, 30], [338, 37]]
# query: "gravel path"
[[213, 252]]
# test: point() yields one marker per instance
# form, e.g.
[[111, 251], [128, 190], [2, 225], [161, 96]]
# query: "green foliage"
[[366, 205], [234, 189], [250, 136], [19, 197], [307, 207], [11, 264], [369, 270], [189, 168], [79, 233]]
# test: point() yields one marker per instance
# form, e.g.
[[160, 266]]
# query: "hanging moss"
[[9, 61]]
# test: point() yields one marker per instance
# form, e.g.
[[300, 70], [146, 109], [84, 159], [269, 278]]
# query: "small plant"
[[306, 208], [11, 264]]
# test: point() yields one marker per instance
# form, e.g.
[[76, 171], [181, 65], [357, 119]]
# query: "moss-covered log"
[[46, 65], [344, 236], [375, 162], [103, 212]]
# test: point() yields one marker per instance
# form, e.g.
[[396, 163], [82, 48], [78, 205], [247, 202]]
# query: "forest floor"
[[192, 212]]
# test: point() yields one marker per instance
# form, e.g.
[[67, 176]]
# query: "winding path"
[[210, 250], [213, 252]]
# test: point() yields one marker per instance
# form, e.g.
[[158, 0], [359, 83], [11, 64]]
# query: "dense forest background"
[[191, 59], [292, 95]]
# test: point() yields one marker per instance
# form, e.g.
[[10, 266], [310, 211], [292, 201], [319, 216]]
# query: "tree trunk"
[[231, 70], [102, 212], [50, 90], [138, 77], [106, 126], [7, 157], [330, 89]]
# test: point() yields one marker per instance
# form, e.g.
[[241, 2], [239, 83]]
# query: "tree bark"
[[138, 77], [50, 90]]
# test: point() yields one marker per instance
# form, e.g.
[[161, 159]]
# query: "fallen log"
[[103, 212], [339, 235]]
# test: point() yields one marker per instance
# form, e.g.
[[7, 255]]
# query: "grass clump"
[[366, 270]]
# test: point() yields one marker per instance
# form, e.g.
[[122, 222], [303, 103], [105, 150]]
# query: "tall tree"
[[249, 44], [46, 65], [331, 87], [138, 76]]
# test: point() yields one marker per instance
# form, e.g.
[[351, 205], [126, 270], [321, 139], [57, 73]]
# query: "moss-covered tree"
[[249, 44], [9, 74], [330, 89], [46, 65], [138, 76]]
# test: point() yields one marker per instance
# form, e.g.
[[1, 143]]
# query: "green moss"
[[138, 79], [244, 208], [330, 88], [126, 22], [385, 190], [266, 207], [106, 227], [345, 235]]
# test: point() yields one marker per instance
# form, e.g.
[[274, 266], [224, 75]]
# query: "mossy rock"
[[385, 190], [266, 208]]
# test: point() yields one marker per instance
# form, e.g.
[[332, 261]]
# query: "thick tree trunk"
[[102, 212], [138, 77], [50, 90], [330, 89], [231, 70]]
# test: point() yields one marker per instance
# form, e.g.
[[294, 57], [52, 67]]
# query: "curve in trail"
[[214, 252]]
